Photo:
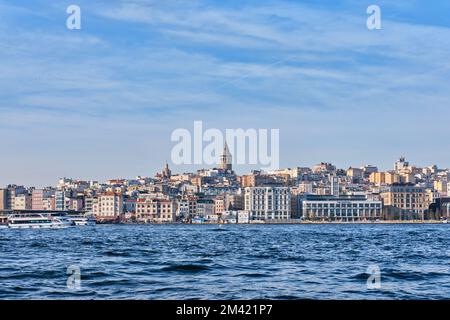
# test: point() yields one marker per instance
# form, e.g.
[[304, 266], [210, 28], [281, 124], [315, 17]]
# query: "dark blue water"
[[239, 262]]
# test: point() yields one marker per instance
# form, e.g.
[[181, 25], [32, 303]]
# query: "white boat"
[[82, 220], [36, 221]]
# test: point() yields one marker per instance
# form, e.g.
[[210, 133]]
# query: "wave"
[[185, 268], [117, 253], [253, 275]]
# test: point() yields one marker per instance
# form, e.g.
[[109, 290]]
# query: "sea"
[[264, 261]]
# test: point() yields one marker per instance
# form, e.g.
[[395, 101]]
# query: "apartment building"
[[109, 206], [22, 202], [404, 201], [156, 210], [268, 203]]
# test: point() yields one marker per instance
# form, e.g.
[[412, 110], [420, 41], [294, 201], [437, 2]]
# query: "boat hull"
[[39, 226]]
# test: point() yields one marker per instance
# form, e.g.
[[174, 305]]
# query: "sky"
[[101, 102]]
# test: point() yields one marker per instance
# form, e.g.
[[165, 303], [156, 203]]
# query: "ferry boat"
[[36, 221], [82, 220], [198, 220]]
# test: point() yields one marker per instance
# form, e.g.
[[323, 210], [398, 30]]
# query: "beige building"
[[108, 206], [156, 210], [219, 205], [22, 202], [388, 177], [3, 198], [377, 178], [404, 202], [441, 186], [49, 204], [391, 178]]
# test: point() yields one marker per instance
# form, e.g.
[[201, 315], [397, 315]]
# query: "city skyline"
[[238, 169], [102, 101], [321, 193], [239, 172]]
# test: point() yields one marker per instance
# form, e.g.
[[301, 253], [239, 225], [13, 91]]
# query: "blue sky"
[[101, 102]]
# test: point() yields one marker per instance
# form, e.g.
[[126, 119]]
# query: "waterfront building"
[[49, 204], [219, 205], [155, 210], [61, 199], [38, 196], [440, 209], [22, 202], [3, 198], [236, 216], [75, 204], [11, 192], [183, 207], [192, 205], [205, 208], [404, 201], [342, 208], [88, 203], [268, 203], [130, 206], [234, 201], [37, 199], [109, 206]]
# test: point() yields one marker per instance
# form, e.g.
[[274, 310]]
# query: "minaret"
[[225, 158]]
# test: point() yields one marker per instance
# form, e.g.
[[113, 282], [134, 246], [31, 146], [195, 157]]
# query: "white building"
[[108, 206], [268, 203], [242, 216], [354, 208], [335, 186]]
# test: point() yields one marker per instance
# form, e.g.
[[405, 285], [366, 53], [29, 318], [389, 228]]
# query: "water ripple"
[[231, 262]]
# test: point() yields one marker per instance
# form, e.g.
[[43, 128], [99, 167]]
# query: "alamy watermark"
[[374, 20], [73, 22], [374, 280], [74, 279], [245, 146]]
